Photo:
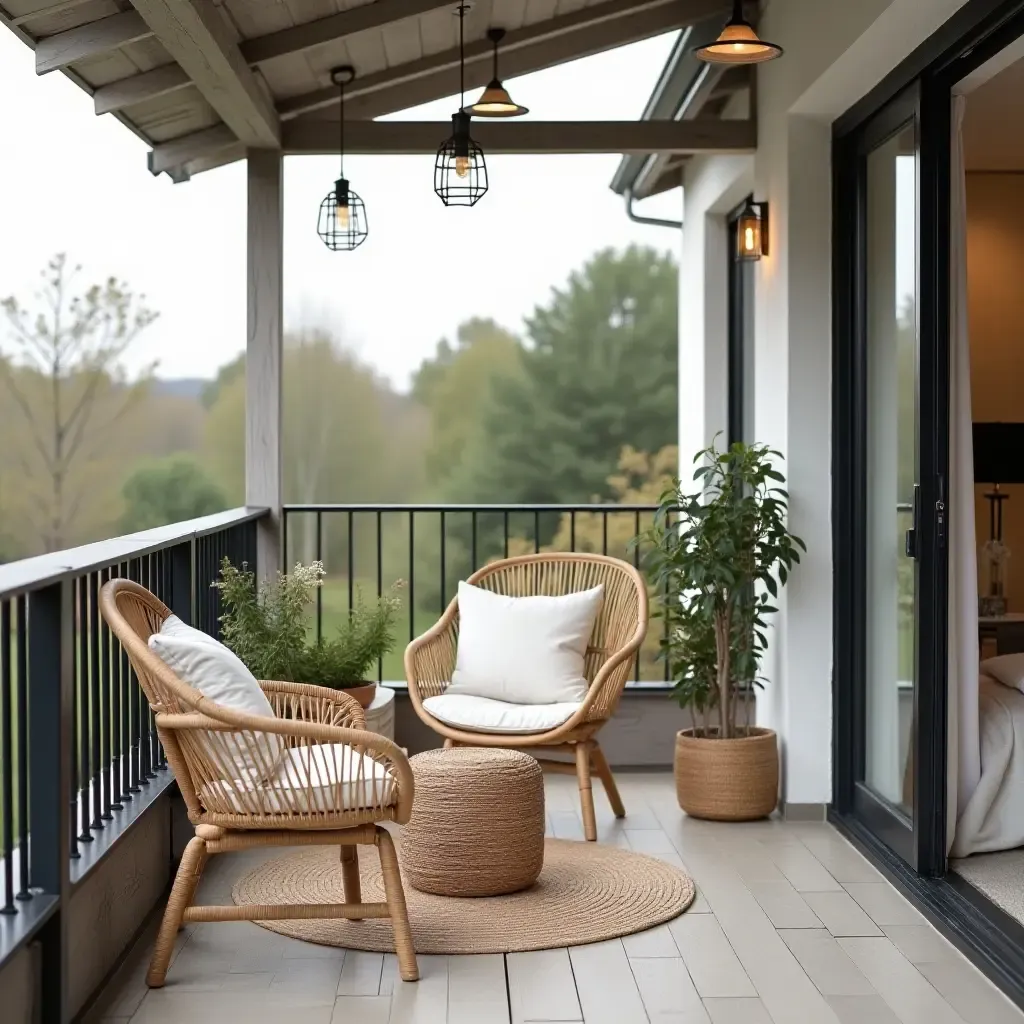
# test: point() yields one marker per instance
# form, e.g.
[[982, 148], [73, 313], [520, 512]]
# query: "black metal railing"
[[79, 754], [431, 547]]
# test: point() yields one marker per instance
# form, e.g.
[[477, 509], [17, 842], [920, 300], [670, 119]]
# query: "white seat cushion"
[[482, 714], [524, 650], [218, 673], [322, 778]]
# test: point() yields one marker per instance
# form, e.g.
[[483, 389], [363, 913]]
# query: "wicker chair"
[[618, 633], [297, 807]]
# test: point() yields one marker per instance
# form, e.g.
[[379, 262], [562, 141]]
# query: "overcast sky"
[[78, 183]]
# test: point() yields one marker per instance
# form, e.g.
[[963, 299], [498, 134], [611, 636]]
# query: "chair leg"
[[193, 860], [448, 743], [586, 791], [350, 876], [395, 896], [604, 773]]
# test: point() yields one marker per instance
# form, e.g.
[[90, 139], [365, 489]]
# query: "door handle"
[[910, 539]]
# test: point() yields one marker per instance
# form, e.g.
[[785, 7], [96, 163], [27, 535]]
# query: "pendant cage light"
[[342, 224], [738, 43], [494, 100], [460, 171]]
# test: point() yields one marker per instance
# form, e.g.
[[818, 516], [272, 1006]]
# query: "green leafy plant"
[[719, 554], [268, 627]]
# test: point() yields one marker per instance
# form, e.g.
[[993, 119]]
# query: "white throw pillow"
[[524, 650], [1007, 669], [481, 714], [219, 674], [311, 779]]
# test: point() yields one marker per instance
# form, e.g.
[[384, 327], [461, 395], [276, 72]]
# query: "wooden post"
[[263, 354]]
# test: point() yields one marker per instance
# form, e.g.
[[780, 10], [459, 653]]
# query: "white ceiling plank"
[[701, 135], [64, 48], [580, 34], [195, 34], [335, 26], [127, 91]]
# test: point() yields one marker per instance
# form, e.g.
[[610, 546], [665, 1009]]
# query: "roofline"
[[673, 94]]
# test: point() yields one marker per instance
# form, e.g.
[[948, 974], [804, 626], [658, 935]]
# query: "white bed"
[[994, 816]]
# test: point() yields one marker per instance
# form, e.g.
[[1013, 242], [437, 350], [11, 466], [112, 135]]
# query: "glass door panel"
[[891, 450]]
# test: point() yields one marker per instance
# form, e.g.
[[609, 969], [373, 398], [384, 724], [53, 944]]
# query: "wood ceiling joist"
[[64, 48], [194, 33], [335, 26], [413, 137], [580, 34], [126, 91], [169, 156]]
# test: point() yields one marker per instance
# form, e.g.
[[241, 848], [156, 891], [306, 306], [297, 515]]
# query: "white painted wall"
[[835, 52]]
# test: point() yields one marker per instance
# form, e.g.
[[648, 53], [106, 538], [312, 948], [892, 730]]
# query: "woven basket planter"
[[727, 780]]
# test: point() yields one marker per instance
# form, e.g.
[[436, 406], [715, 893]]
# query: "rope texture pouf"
[[477, 825], [587, 892]]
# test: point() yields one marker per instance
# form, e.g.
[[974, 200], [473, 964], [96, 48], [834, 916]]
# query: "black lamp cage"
[[460, 171], [342, 224]]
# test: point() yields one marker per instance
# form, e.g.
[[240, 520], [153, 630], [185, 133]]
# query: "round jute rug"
[[587, 892]]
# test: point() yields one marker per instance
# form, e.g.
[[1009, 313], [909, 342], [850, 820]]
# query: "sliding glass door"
[[888, 498]]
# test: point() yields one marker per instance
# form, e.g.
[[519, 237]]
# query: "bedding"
[[994, 816]]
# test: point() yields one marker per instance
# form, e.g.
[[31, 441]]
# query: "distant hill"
[[180, 387]]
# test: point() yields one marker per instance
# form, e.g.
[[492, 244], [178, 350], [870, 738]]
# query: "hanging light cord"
[[495, 75], [341, 131], [462, 56]]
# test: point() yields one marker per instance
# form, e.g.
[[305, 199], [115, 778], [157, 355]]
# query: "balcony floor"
[[791, 926]]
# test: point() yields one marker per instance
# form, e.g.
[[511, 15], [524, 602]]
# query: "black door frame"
[[975, 33], [739, 369]]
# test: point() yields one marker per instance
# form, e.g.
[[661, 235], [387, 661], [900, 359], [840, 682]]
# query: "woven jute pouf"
[[477, 826]]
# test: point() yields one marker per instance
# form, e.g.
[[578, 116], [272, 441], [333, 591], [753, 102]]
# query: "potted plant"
[[267, 626], [718, 554]]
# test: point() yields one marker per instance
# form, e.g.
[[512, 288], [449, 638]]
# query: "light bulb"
[[341, 217], [748, 239], [462, 166]]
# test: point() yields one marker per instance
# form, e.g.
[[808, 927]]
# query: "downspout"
[[657, 222]]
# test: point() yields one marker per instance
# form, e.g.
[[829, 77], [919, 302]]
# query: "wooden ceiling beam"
[[171, 156], [64, 48], [127, 91], [582, 33], [335, 26], [391, 138], [196, 35]]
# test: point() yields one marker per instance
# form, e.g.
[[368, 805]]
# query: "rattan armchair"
[[618, 633], [306, 804]]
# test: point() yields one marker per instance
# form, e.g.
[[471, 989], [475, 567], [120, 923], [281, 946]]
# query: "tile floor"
[[791, 926]]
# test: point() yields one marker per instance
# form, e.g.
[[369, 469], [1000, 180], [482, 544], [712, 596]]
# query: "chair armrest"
[[303, 703], [430, 658]]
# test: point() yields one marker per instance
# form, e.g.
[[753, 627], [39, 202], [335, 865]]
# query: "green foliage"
[[598, 373], [268, 628], [720, 554], [169, 491]]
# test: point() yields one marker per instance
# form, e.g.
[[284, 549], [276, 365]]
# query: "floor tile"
[[883, 904], [785, 907], [655, 942], [360, 974], [362, 1010], [920, 943], [841, 914], [541, 986], [826, 963], [737, 1011], [802, 869], [477, 992], [424, 1001], [607, 990], [667, 990], [970, 994], [714, 967], [862, 1010]]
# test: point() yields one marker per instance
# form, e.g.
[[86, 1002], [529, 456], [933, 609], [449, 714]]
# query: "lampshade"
[[494, 100], [752, 231], [999, 453], [738, 43]]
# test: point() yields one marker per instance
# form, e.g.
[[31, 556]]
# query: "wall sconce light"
[[752, 231]]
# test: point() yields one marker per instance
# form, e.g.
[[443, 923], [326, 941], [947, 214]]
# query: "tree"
[[169, 491], [598, 374], [456, 388], [66, 382]]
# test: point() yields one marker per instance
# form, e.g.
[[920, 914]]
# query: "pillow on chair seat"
[[320, 778], [524, 650], [482, 714], [206, 665]]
